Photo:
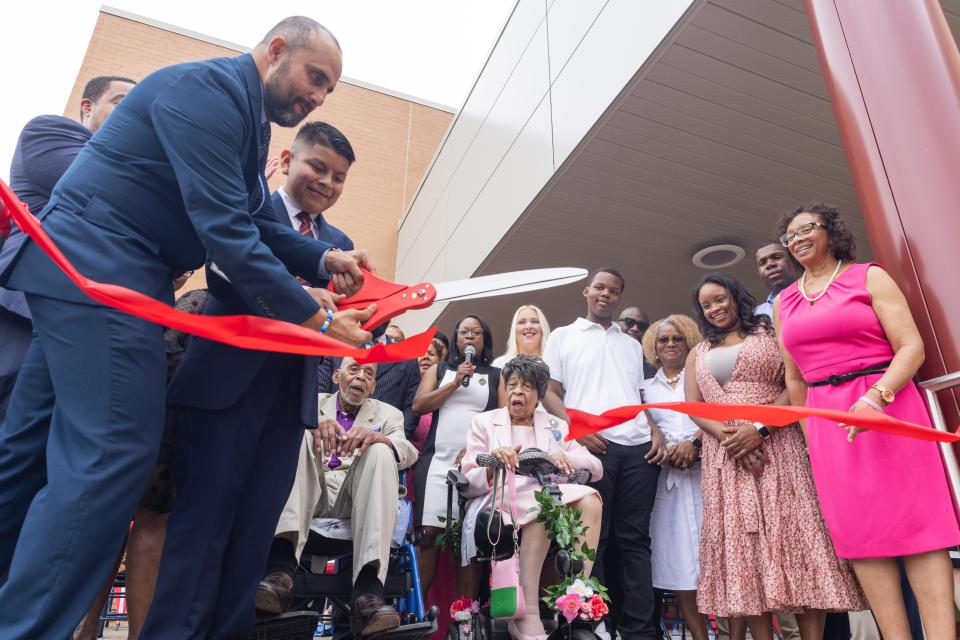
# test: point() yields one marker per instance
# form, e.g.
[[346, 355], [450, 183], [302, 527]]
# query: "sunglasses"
[[630, 323], [669, 339]]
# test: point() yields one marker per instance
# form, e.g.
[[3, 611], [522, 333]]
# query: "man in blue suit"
[[46, 147], [240, 423], [175, 176]]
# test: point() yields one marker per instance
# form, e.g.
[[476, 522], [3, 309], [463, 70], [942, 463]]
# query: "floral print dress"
[[764, 545]]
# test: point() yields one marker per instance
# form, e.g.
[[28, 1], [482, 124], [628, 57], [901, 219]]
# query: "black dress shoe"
[[275, 595], [371, 615]]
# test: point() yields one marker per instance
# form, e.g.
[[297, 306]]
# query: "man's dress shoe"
[[275, 595], [371, 615]]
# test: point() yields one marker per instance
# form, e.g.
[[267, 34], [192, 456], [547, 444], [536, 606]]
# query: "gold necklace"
[[803, 280]]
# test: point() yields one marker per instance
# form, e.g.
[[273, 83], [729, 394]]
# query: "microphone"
[[468, 353]]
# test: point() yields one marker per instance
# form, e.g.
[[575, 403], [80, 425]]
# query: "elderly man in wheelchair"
[[530, 442], [348, 470]]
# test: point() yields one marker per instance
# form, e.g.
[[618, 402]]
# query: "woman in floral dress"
[[764, 546]]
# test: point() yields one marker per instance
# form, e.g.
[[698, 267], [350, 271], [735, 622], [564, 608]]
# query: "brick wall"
[[394, 138]]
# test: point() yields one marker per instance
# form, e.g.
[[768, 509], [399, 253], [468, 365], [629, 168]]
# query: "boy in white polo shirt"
[[594, 367]]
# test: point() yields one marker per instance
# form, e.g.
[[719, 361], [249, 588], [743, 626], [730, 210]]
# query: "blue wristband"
[[326, 325]]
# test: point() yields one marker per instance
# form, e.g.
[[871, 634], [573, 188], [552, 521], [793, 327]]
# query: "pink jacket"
[[549, 432]]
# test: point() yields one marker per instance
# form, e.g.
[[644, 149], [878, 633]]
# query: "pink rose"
[[569, 605], [598, 607]]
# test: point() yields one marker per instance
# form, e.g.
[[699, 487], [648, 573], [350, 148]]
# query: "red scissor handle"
[[392, 299]]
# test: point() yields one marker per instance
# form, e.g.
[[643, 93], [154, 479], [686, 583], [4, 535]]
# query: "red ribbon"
[[584, 424], [244, 331]]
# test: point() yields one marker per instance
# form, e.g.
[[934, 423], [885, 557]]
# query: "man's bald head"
[[297, 31], [299, 62]]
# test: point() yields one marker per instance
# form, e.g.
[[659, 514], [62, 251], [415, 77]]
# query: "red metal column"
[[893, 74]]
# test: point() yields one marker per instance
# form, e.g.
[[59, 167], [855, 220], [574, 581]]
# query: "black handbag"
[[495, 540]]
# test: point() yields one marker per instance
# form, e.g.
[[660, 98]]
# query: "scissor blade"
[[501, 284]]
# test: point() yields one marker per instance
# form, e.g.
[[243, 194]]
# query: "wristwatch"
[[762, 429], [885, 394], [697, 444]]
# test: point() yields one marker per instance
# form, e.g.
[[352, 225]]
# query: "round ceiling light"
[[718, 256]]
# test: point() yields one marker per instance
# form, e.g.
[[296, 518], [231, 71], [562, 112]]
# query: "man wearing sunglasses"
[[634, 321]]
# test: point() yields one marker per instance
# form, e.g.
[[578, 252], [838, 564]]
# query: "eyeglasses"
[[476, 333], [630, 323], [669, 339], [802, 232]]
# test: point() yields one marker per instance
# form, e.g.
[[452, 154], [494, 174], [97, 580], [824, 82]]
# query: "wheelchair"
[[324, 581], [540, 465]]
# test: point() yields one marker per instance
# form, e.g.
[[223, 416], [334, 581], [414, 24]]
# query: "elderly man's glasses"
[[801, 232], [630, 323]]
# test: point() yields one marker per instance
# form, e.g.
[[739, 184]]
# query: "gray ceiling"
[[723, 129]]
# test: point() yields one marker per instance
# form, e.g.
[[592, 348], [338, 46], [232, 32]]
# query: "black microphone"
[[468, 354]]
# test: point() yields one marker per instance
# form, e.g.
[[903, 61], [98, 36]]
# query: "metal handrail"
[[930, 389]]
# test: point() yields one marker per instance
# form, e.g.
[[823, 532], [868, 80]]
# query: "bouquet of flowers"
[[576, 597], [580, 601], [461, 612]]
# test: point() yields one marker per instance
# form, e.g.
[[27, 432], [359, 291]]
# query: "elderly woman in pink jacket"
[[504, 432]]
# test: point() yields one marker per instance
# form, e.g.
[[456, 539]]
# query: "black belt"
[[837, 380]]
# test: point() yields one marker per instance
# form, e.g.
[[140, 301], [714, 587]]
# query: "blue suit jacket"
[[212, 375], [174, 177], [325, 231], [45, 150]]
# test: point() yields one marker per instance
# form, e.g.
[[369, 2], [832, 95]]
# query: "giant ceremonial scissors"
[[254, 332], [392, 299]]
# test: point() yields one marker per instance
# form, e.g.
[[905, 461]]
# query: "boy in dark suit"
[[316, 168], [258, 402]]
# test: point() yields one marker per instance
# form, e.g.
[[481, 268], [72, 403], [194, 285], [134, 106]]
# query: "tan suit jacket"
[[375, 415]]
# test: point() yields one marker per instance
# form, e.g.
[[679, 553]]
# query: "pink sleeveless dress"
[[881, 495], [764, 546]]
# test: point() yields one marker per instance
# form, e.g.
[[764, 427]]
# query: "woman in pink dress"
[[764, 546], [503, 432], [850, 343]]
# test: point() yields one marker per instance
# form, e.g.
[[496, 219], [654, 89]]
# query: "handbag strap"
[[493, 506], [512, 485], [511, 481]]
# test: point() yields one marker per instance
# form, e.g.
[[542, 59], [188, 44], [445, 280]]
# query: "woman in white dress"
[[528, 333], [442, 392], [678, 510]]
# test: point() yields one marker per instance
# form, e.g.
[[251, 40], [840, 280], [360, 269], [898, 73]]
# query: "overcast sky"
[[430, 49]]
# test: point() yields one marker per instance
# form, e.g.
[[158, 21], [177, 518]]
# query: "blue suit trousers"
[[77, 447], [233, 470]]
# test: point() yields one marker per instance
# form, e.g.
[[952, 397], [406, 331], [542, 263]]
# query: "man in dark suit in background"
[[259, 403], [46, 147], [174, 177]]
